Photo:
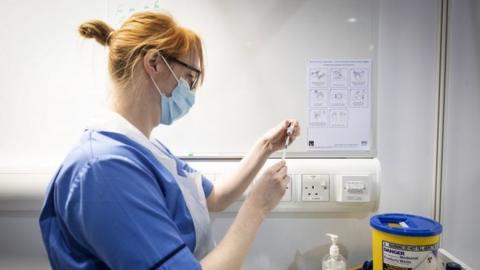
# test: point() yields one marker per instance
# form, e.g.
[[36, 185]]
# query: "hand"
[[269, 187], [274, 139]]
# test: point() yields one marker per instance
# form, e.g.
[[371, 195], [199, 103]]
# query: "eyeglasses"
[[194, 81]]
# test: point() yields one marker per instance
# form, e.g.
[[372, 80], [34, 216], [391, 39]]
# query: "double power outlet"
[[314, 187], [318, 188]]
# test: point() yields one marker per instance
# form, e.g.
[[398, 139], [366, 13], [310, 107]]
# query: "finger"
[[277, 166], [290, 122], [293, 123], [283, 125], [297, 132], [293, 138], [297, 129], [296, 135], [285, 182], [281, 129], [286, 179], [281, 174]]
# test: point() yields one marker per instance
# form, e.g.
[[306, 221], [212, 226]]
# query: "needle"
[[287, 140]]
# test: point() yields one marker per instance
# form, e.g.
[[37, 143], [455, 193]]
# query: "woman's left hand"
[[274, 139]]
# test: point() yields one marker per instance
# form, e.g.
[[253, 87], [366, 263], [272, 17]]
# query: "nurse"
[[121, 200]]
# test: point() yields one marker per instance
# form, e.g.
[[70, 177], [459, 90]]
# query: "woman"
[[123, 201]]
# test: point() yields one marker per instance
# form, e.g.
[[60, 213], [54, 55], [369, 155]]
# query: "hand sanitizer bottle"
[[334, 260]]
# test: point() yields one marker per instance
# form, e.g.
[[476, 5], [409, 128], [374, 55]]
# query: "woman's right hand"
[[270, 187]]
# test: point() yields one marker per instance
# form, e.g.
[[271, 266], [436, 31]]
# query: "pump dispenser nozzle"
[[333, 237], [334, 260], [333, 248]]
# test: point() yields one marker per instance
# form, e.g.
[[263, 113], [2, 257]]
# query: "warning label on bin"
[[406, 257]]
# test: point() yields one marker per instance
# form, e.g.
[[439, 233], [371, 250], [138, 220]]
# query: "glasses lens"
[[193, 85], [194, 76]]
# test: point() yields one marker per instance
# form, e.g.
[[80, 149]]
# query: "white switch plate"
[[353, 188], [296, 198], [315, 188], [288, 192]]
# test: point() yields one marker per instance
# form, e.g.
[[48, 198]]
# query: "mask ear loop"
[[171, 70], [156, 86]]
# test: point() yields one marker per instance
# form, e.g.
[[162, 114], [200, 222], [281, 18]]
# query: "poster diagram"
[[339, 112], [319, 117], [358, 97], [338, 118], [318, 77], [339, 97], [319, 98]]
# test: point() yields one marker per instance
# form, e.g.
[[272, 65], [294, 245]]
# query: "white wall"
[[50, 80], [408, 50], [407, 92], [461, 182], [256, 55]]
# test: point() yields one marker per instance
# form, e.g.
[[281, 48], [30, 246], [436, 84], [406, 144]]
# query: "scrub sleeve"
[[123, 218]]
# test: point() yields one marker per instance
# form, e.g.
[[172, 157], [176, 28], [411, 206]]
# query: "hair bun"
[[96, 29]]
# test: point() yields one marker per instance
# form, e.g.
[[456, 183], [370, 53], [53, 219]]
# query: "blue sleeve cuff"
[[182, 259], [207, 186]]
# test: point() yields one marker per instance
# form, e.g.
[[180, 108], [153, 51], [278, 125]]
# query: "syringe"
[[287, 140]]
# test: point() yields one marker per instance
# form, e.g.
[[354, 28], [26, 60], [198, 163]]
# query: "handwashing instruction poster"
[[339, 109]]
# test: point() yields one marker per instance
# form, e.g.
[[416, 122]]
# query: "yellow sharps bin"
[[404, 241]]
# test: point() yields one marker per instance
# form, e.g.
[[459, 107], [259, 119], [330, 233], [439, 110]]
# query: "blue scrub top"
[[113, 205]]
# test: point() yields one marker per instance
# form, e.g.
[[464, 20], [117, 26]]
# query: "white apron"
[[190, 186]]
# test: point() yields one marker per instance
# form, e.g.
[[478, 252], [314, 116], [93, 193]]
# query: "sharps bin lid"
[[405, 224]]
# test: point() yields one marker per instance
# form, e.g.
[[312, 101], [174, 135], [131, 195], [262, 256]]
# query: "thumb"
[[278, 165]]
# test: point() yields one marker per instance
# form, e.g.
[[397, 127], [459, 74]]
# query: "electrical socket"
[[288, 191], [315, 187]]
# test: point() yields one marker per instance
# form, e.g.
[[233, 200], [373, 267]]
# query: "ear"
[[150, 62]]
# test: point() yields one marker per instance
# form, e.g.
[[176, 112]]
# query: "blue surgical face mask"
[[179, 103]]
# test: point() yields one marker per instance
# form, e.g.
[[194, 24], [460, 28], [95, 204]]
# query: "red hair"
[[138, 34]]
